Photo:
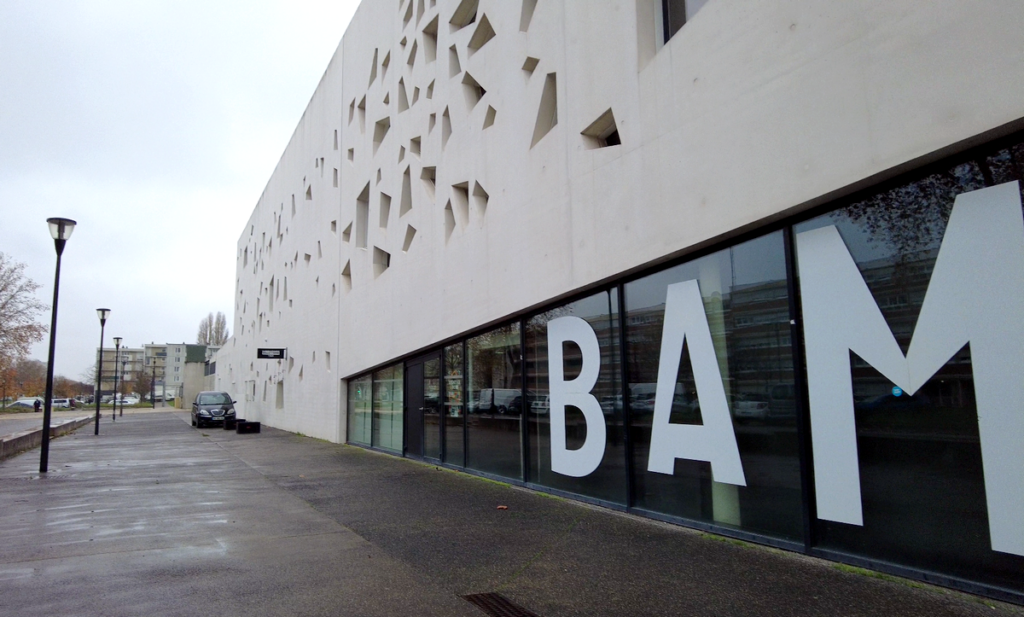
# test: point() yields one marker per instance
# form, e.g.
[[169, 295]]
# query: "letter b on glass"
[[576, 392]]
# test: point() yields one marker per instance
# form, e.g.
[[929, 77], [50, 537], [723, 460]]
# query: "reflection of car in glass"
[[611, 404], [685, 405], [748, 407], [212, 408], [642, 402], [781, 402], [890, 403], [496, 400], [515, 408], [541, 405]]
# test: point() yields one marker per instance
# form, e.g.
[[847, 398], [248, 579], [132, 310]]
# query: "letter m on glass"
[[976, 296]]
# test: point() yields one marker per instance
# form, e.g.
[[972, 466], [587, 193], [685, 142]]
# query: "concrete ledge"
[[26, 440]]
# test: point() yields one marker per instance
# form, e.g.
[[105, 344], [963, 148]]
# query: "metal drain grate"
[[497, 605]]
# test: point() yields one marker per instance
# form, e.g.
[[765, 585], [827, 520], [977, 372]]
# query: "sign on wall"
[[272, 353]]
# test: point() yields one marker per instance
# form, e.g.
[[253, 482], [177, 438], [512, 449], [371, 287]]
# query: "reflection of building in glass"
[[899, 289]]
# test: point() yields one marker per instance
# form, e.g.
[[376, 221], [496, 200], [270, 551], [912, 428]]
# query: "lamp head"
[[103, 314], [60, 228], [117, 341]]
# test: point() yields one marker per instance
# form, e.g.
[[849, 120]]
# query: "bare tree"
[[205, 329], [19, 310], [213, 330], [220, 333]]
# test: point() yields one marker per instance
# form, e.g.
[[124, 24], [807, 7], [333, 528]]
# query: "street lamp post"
[[61, 230], [117, 355], [103, 314], [124, 378]]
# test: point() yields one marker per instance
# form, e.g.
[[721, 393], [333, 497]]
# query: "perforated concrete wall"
[[465, 160]]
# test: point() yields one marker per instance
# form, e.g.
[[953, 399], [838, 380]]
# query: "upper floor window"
[[678, 12]]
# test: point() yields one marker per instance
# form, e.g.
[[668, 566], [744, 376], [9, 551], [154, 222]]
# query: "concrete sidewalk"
[[154, 517]]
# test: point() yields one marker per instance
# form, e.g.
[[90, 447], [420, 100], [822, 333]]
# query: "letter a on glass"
[[715, 440]]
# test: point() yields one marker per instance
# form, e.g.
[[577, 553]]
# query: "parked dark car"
[[211, 408]]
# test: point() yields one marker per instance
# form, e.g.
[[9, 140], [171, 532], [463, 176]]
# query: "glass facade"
[[432, 408], [495, 403], [608, 482], [454, 407], [388, 408], [744, 295], [694, 392], [922, 478], [359, 416]]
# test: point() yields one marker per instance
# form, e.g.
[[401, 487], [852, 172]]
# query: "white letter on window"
[[715, 441], [976, 295], [582, 462]]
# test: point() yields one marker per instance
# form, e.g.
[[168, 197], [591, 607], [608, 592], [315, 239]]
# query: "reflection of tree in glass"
[[1006, 165], [911, 218], [495, 358]]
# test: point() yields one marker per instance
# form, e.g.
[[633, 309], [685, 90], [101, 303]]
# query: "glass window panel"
[[387, 408], [608, 481], [359, 420], [674, 15], [432, 408], [746, 304], [493, 418], [921, 473], [454, 407]]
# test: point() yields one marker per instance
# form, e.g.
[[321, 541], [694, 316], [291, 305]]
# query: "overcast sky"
[[156, 126]]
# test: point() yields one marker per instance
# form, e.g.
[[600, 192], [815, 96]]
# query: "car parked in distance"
[[542, 405], [62, 403], [749, 407], [611, 404], [782, 402], [212, 408]]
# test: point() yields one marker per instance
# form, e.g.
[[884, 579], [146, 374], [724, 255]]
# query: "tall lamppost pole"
[[152, 385], [61, 230], [124, 378], [103, 314], [117, 355]]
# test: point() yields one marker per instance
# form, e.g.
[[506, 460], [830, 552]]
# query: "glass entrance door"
[[422, 412], [432, 408]]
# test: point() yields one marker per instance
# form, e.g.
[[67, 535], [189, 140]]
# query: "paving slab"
[[154, 517]]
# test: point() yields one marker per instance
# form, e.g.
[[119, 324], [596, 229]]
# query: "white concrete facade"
[[420, 197]]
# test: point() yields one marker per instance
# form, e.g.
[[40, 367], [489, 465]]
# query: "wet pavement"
[[154, 517]]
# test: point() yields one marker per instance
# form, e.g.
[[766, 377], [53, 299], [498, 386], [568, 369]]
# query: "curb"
[[26, 440]]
